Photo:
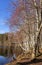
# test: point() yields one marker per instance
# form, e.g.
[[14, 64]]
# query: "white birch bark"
[[38, 19], [25, 45]]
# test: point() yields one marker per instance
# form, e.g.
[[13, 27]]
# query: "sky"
[[4, 15]]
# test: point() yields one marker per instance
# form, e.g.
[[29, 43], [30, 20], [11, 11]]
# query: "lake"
[[4, 60]]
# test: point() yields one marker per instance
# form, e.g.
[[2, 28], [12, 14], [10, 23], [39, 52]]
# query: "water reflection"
[[4, 60]]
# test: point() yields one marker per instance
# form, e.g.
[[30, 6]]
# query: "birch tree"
[[38, 26], [28, 12]]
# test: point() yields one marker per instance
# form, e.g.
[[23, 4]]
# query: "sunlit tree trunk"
[[37, 29]]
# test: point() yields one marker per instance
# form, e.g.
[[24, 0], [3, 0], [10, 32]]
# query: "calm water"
[[4, 60]]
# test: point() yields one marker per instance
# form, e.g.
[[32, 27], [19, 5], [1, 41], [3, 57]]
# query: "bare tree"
[[28, 13]]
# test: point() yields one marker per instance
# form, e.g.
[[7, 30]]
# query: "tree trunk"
[[37, 29]]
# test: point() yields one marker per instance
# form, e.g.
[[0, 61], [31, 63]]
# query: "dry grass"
[[26, 58]]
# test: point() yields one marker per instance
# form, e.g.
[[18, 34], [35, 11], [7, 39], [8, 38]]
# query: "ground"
[[25, 60]]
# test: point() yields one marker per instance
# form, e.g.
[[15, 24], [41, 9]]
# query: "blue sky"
[[4, 14]]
